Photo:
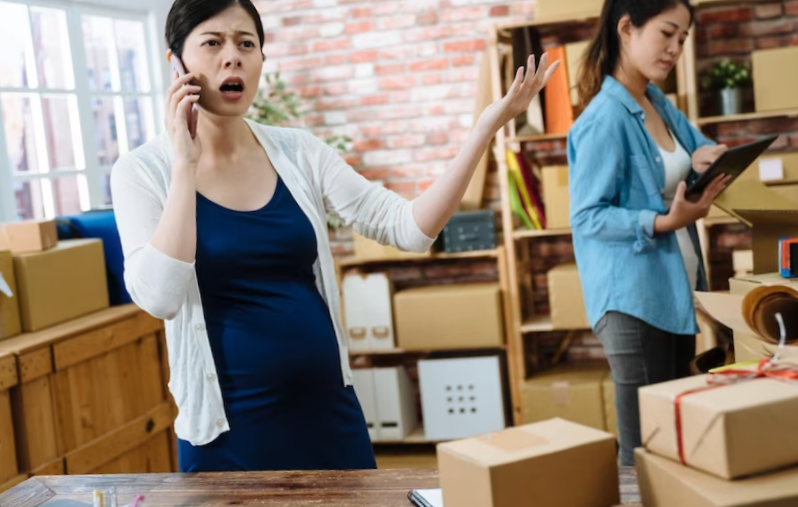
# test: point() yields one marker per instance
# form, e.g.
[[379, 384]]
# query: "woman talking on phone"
[[631, 154], [225, 238]]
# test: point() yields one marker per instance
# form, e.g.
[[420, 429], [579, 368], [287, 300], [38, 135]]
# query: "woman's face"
[[655, 47], [225, 56]]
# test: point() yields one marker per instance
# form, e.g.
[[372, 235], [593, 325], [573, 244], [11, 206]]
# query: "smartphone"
[[193, 113]]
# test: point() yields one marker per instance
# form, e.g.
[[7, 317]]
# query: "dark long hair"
[[186, 15], [605, 48]]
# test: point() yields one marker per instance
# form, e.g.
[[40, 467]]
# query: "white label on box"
[[4, 288], [771, 169]]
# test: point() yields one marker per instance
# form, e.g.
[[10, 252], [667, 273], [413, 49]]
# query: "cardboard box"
[[664, 483], [461, 397], [368, 311], [569, 392], [574, 57], [464, 316], [565, 9], [10, 324], [770, 216], [775, 74], [730, 431], [369, 250], [556, 197], [62, 283], [608, 396], [565, 298], [554, 463], [28, 236]]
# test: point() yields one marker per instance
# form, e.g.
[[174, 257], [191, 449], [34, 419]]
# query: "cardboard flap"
[[726, 309], [769, 217], [748, 193]]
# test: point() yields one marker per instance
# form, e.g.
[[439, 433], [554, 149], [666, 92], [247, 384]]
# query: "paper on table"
[[771, 169], [427, 497], [4, 287]]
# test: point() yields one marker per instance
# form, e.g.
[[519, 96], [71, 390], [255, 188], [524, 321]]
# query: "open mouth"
[[232, 87]]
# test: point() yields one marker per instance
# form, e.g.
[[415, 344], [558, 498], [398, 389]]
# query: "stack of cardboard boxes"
[[44, 282]]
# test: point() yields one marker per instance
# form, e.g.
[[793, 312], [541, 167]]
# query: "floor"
[[410, 456]]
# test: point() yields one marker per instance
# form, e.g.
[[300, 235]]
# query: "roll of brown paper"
[[760, 307]]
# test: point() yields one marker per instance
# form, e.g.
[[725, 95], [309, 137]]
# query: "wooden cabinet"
[[92, 396], [9, 468]]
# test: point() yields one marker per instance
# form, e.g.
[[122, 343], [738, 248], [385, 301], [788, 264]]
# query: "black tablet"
[[731, 162]]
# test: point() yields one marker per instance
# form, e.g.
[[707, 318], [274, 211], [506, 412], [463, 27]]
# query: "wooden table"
[[378, 488]]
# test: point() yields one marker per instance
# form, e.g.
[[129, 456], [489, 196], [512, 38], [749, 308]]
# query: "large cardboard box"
[[730, 431], [565, 298], [608, 396], [10, 324], [775, 74], [556, 197], [464, 316], [369, 250], [62, 283], [569, 392], [565, 9], [28, 236], [747, 346], [664, 483], [368, 311], [554, 463]]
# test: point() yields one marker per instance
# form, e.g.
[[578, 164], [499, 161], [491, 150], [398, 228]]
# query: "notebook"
[[426, 497]]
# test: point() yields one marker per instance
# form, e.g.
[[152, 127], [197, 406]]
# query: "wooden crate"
[[92, 396], [10, 475]]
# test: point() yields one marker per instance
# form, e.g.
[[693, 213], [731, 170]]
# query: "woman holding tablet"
[[631, 154]]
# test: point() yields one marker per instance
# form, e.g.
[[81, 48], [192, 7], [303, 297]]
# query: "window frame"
[[93, 170]]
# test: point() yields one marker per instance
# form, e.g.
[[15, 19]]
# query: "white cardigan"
[[167, 288]]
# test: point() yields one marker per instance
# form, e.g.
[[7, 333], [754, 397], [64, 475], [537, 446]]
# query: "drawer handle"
[[380, 332], [150, 425], [357, 333]]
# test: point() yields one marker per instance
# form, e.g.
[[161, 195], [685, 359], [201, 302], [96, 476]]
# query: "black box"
[[469, 231]]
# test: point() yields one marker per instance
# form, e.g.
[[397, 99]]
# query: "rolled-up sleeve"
[[372, 210], [596, 167], [157, 283]]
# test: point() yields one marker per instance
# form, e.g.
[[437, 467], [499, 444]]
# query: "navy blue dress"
[[274, 346]]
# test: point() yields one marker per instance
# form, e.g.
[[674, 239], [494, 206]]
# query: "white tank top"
[[677, 167]]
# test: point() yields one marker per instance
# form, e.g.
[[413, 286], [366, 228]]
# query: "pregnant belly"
[[283, 343]]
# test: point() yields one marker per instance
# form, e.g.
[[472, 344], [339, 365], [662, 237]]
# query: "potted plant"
[[728, 79]]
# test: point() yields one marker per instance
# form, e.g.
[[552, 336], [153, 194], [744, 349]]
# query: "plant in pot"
[[278, 106], [728, 79]]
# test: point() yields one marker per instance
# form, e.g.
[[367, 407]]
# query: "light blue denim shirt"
[[616, 182]]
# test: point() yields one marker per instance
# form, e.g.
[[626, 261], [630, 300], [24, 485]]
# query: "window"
[[75, 93]]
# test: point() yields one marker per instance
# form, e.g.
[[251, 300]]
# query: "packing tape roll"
[[760, 307]]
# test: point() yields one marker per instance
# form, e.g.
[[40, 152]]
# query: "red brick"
[[268, 37], [793, 140], [353, 160], [395, 113], [376, 100], [386, 8], [434, 110], [499, 11], [292, 21], [397, 22], [768, 11], [726, 15], [408, 171], [442, 153], [335, 89], [432, 79], [297, 34], [292, 65], [422, 66], [463, 60], [363, 57], [793, 40], [407, 141], [437, 138], [397, 83], [770, 42], [773, 126], [308, 92], [722, 31], [791, 8], [466, 46], [332, 45], [314, 120], [463, 14], [328, 104], [763, 28], [388, 70], [334, 60], [375, 174], [731, 46], [361, 12], [427, 19], [400, 97], [360, 27], [424, 185], [369, 144]]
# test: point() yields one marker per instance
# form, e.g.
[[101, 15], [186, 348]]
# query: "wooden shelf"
[[712, 120], [398, 352], [480, 254], [416, 437], [537, 137], [554, 20], [709, 222], [537, 324], [527, 233]]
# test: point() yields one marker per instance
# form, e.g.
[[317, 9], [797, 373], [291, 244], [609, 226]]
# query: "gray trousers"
[[639, 354]]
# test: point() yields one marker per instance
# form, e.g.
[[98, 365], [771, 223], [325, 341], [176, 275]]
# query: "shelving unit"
[[524, 327], [509, 349]]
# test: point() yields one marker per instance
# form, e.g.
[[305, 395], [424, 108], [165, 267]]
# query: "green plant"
[[727, 74], [275, 104]]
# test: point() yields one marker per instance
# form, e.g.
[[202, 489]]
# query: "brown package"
[[664, 483], [28, 236], [573, 393], [10, 324], [553, 463]]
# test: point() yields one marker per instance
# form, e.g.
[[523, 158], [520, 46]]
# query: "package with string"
[[738, 421]]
